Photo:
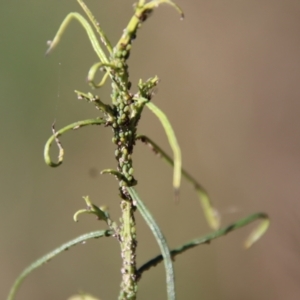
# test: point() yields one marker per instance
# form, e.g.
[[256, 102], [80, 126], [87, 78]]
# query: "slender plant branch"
[[258, 232]]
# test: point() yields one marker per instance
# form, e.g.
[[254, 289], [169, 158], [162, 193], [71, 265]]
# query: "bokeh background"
[[230, 86]]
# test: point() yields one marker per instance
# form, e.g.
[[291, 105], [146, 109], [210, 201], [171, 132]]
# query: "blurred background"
[[230, 86]]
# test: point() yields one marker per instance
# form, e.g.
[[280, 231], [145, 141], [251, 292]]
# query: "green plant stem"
[[202, 240], [128, 251], [46, 258]]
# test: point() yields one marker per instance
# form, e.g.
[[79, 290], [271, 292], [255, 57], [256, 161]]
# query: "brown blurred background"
[[230, 86]]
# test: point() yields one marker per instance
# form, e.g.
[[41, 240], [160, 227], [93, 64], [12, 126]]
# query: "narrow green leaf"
[[208, 238], [154, 3], [160, 240], [211, 214], [172, 141], [91, 208], [46, 258], [257, 233], [92, 37], [92, 73], [56, 134], [103, 37]]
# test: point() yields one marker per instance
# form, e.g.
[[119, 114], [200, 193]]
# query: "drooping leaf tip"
[[258, 232], [50, 47]]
